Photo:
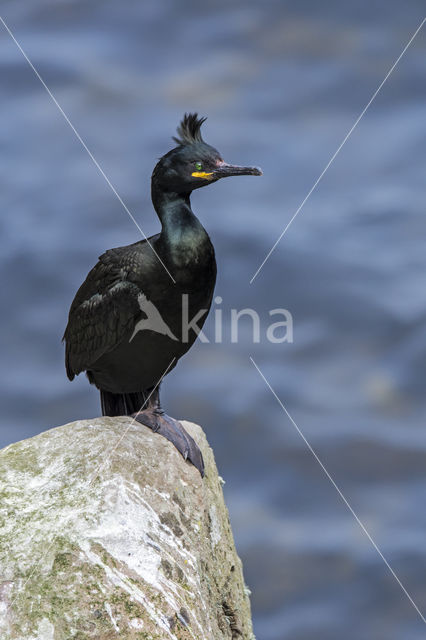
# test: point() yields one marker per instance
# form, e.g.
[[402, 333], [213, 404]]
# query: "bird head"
[[194, 163]]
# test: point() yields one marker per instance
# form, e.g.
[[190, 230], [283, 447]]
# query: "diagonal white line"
[[312, 450], [103, 463], [329, 163], [84, 145]]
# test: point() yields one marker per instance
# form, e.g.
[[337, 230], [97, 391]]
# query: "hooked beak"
[[224, 170]]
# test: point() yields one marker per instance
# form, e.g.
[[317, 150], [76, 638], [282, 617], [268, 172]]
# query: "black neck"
[[182, 234], [172, 208]]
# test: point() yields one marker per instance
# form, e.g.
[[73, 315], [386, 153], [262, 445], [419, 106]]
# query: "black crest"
[[189, 130]]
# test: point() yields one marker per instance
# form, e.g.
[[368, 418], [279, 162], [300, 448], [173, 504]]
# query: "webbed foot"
[[173, 431]]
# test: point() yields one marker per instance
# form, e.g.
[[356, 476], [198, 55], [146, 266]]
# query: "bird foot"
[[173, 431]]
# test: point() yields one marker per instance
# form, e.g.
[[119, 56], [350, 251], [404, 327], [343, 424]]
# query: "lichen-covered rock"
[[106, 532]]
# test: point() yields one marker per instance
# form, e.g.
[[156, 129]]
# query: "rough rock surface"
[[106, 532]]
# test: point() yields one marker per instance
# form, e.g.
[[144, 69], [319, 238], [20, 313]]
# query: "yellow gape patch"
[[202, 174]]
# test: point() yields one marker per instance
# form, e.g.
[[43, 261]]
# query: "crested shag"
[[126, 323]]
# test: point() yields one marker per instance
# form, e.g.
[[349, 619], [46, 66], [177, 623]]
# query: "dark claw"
[[173, 431]]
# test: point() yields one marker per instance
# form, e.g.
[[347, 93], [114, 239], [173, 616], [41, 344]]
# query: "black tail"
[[122, 404]]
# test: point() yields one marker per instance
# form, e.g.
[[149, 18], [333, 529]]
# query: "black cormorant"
[[128, 323]]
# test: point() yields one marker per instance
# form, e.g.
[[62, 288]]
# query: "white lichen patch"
[[45, 631], [215, 534], [136, 623], [105, 529], [111, 617]]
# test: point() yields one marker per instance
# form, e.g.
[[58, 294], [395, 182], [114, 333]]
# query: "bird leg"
[[153, 416]]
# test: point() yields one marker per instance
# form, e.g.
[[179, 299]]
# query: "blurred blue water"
[[282, 83]]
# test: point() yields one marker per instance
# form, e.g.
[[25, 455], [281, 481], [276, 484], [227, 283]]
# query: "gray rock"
[[106, 532]]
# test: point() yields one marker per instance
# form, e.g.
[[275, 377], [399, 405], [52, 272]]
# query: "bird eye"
[[198, 166]]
